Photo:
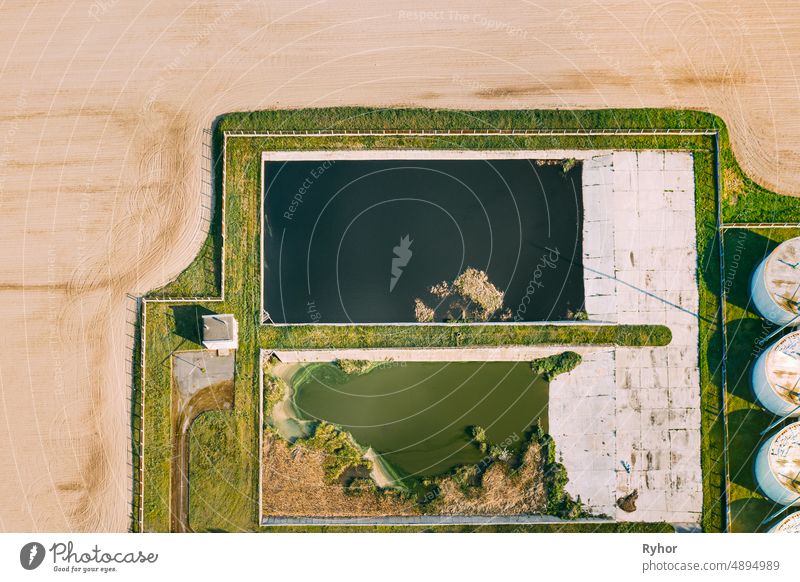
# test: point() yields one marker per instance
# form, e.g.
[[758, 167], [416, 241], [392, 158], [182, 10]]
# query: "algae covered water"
[[416, 415]]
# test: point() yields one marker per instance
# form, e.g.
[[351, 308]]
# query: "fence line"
[[724, 364], [758, 225], [207, 192], [477, 132], [208, 170], [143, 332], [207, 196], [224, 225], [567, 323], [430, 520], [183, 299], [134, 459], [260, 434]]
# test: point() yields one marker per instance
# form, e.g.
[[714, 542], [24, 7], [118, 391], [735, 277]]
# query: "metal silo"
[[778, 466], [776, 376], [775, 286], [789, 524]]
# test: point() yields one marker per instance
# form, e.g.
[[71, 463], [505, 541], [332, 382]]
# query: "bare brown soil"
[[102, 114]]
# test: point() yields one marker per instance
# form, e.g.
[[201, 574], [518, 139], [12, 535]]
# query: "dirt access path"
[[218, 396], [101, 126], [202, 381]]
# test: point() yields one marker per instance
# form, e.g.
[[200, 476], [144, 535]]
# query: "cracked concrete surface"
[[629, 418]]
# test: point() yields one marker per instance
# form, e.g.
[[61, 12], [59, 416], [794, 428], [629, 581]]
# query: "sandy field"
[[103, 106]]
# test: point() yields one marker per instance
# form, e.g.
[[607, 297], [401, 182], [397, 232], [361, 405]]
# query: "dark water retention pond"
[[416, 414], [357, 241]]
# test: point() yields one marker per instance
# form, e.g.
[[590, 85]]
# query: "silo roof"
[[790, 524], [782, 275], [783, 368], [784, 457]]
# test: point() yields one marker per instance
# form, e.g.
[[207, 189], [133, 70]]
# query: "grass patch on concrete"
[[378, 336], [225, 449]]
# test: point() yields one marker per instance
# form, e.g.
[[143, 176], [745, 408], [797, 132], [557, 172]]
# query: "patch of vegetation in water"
[[469, 298], [478, 436], [356, 367], [567, 164], [341, 452]]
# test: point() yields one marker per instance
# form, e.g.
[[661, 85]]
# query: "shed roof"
[[219, 327]]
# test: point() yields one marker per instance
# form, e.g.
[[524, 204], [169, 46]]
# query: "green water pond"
[[416, 415]]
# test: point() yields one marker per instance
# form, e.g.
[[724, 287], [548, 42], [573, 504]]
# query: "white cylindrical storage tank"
[[789, 524], [776, 376], [778, 466], [775, 286]]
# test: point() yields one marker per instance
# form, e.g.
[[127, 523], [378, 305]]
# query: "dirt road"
[[217, 396], [103, 109]]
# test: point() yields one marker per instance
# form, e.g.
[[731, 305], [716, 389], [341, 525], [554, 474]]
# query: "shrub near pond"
[[354, 367], [340, 451], [559, 502], [509, 480], [478, 436], [550, 367]]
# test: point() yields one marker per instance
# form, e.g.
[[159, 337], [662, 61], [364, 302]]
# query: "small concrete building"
[[789, 524], [776, 376], [220, 332], [778, 466], [775, 286]]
